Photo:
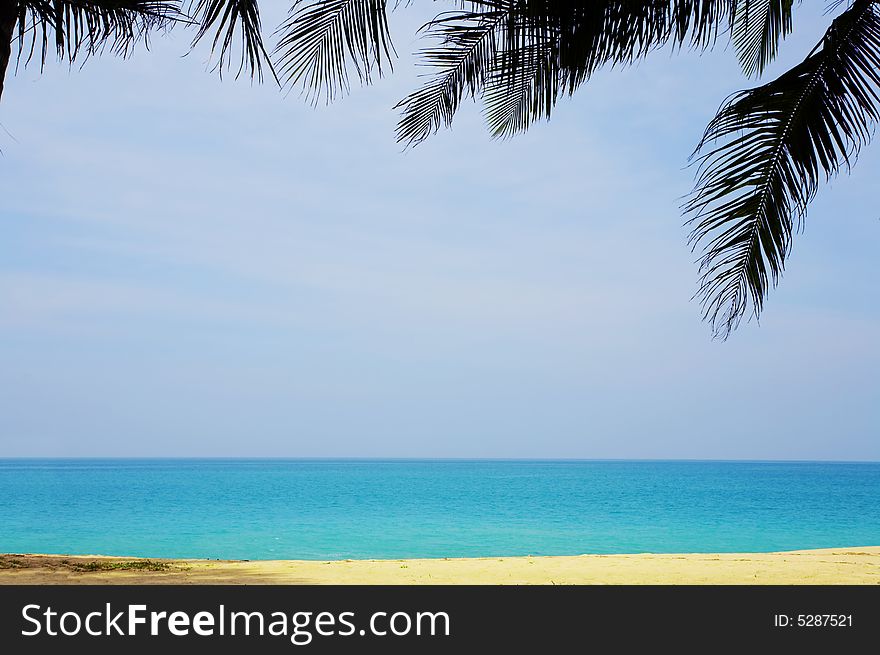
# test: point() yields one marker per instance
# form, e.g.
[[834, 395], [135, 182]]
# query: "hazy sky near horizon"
[[190, 267]]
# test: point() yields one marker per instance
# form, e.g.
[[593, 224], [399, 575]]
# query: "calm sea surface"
[[330, 509]]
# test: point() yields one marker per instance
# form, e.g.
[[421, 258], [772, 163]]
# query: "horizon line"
[[436, 459]]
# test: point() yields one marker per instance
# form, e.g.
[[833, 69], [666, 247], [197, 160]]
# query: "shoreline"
[[851, 565]]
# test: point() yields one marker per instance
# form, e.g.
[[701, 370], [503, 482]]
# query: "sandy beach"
[[856, 565]]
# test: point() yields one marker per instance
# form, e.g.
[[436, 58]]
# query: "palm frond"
[[544, 49], [698, 23], [321, 40], [466, 50], [77, 29], [758, 27], [8, 18], [772, 145], [227, 17], [523, 87], [551, 48]]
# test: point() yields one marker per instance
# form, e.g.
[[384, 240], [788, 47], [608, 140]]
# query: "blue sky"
[[190, 267]]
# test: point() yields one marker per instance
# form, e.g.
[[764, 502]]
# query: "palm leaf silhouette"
[[523, 56], [76, 29], [227, 17], [465, 53], [320, 40], [771, 146], [758, 27]]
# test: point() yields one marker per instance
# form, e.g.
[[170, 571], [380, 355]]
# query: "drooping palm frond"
[[227, 17], [771, 147], [80, 28], [533, 51], [523, 87], [697, 23], [758, 27], [8, 19], [542, 54], [321, 40], [551, 48], [467, 48], [557, 46]]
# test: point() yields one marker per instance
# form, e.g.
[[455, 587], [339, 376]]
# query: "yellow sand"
[[860, 565]]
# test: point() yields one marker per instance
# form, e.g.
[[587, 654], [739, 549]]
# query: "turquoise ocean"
[[333, 509]]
